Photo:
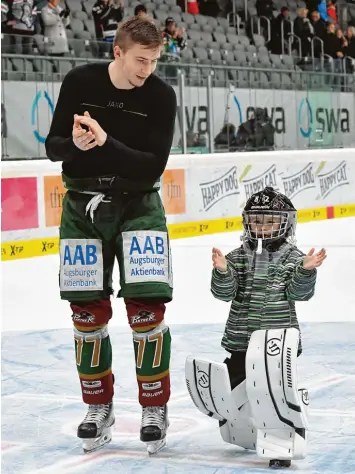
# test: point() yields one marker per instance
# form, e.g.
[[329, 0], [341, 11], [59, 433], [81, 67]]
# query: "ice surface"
[[41, 403]]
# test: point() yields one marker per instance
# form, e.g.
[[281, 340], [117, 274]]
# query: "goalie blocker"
[[268, 411]]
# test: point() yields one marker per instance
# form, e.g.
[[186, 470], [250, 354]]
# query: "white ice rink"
[[41, 403]]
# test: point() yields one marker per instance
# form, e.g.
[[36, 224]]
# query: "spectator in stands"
[[107, 14], [174, 40], [319, 27], [350, 50], [322, 8], [22, 18], [192, 7], [193, 140], [55, 20], [334, 47], [140, 10], [265, 8], [257, 133], [225, 139], [304, 30], [350, 38], [333, 44], [312, 5], [332, 12], [6, 24], [280, 31]]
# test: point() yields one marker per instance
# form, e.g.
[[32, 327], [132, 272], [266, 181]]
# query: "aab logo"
[[254, 185], [220, 188], [333, 179], [300, 181]]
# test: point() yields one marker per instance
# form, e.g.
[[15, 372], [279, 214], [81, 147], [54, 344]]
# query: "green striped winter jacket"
[[263, 290]]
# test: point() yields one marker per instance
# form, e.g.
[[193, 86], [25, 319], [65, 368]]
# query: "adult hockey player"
[[256, 399], [113, 128]]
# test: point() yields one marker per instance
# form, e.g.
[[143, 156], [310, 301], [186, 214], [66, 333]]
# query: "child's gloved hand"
[[219, 260], [314, 260]]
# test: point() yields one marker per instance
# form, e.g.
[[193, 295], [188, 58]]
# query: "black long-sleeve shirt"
[[139, 124]]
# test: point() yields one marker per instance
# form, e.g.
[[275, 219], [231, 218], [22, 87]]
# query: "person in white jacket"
[[55, 20]]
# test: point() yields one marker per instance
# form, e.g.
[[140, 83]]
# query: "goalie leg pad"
[[278, 407], [209, 386]]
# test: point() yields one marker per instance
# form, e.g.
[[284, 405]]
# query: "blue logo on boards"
[[239, 109], [305, 118], [82, 255], [34, 114], [153, 245]]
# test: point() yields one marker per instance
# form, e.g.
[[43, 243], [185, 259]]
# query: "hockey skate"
[[154, 426], [95, 429]]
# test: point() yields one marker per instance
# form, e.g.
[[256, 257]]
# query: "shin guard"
[[152, 342], [93, 350]]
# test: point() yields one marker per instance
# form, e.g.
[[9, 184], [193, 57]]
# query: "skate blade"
[[153, 447], [93, 444]]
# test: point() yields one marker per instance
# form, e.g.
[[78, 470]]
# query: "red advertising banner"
[[19, 204]]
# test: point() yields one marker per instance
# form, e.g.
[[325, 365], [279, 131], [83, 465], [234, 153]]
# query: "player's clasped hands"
[[314, 260], [219, 260], [86, 140]]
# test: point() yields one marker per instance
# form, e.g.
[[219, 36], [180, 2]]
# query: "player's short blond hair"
[[138, 30]]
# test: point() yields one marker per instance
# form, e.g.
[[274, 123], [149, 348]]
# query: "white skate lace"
[[97, 414], [153, 416], [93, 204]]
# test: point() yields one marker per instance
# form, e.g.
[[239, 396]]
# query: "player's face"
[[264, 226], [138, 63]]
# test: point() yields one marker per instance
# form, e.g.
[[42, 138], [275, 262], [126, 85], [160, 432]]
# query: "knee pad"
[[144, 315], [91, 316], [278, 406]]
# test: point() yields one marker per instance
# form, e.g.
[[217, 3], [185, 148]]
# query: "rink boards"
[[202, 194]]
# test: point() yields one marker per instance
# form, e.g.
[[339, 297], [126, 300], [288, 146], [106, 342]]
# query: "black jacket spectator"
[[226, 137], [257, 133], [280, 34], [319, 27], [265, 8], [107, 14], [303, 29], [350, 37], [333, 46]]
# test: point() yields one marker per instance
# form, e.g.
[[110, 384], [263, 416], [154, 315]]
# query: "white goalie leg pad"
[[279, 408], [209, 387]]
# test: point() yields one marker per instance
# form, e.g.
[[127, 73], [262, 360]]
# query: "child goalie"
[[263, 278]]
